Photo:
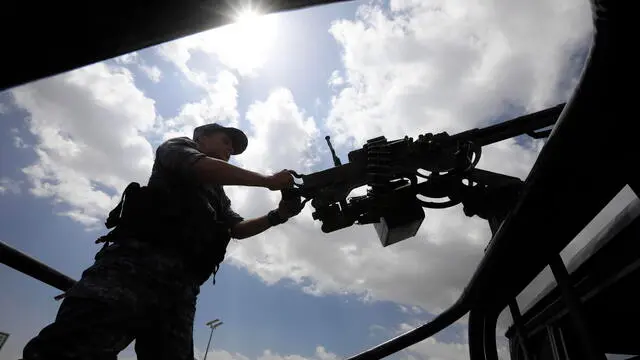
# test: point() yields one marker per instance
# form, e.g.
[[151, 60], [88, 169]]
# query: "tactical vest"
[[171, 220]]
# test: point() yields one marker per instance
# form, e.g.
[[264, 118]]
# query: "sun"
[[247, 17], [248, 40]]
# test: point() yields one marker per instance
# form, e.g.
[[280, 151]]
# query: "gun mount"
[[400, 173]]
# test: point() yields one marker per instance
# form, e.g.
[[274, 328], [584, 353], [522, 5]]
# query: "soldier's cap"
[[238, 138]]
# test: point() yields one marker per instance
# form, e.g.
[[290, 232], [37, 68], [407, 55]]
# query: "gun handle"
[[288, 194]]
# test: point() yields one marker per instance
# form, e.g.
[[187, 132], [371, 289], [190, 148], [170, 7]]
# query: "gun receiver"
[[399, 172]]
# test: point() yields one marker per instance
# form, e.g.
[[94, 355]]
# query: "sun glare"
[[247, 16], [248, 40]]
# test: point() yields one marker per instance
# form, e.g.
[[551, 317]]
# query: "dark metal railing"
[[34, 268]]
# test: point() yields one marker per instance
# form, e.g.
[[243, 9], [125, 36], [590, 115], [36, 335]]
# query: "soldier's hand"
[[280, 180], [290, 206]]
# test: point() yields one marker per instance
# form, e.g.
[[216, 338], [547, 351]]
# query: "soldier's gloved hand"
[[290, 206], [280, 180]]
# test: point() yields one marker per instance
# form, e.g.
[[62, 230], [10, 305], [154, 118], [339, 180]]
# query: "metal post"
[[552, 343], [515, 314], [476, 334], [575, 312], [212, 324], [489, 334], [207, 351]]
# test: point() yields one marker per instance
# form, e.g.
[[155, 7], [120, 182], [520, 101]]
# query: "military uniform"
[[137, 289]]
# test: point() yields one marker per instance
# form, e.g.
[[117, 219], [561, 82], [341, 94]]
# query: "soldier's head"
[[220, 142]]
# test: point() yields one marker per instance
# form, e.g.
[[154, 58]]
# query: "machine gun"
[[399, 172]]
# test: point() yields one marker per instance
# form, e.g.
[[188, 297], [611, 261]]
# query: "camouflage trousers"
[[127, 294]]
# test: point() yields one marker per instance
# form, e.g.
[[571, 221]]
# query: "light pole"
[[212, 324]]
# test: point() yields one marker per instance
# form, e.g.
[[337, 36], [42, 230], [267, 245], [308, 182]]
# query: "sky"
[[70, 144]]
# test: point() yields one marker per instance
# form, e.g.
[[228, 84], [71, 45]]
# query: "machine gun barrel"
[[526, 124], [439, 153]]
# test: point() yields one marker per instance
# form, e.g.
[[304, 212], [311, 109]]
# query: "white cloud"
[[9, 186], [281, 135], [89, 126], [18, 142], [218, 105], [320, 354], [219, 354], [128, 59], [431, 66], [335, 80], [412, 309], [4, 109], [376, 329], [153, 72]]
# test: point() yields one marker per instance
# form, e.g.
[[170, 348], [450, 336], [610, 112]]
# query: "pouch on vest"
[[146, 213]]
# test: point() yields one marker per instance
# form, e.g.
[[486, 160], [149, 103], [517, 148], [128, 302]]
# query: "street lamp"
[[212, 324]]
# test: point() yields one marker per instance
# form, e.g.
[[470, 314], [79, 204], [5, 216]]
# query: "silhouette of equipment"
[[401, 173]]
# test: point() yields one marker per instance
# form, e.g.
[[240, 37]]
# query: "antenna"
[[336, 159]]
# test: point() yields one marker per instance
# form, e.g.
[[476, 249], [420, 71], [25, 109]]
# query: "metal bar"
[[448, 317], [565, 352], [513, 349], [517, 318], [587, 296], [489, 334], [494, 224], [553, 343], [540, 134], [610, 242], [208, 343], [34, 268], [476, 334], [586, 339]]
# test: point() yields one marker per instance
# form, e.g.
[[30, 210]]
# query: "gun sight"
[[336, 159]]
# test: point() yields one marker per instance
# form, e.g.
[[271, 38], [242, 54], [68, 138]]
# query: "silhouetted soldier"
[[168, 238]]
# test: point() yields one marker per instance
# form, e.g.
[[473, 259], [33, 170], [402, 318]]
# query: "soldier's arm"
[[242, 229], [178, 154], [250, 227], [213, 171]]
